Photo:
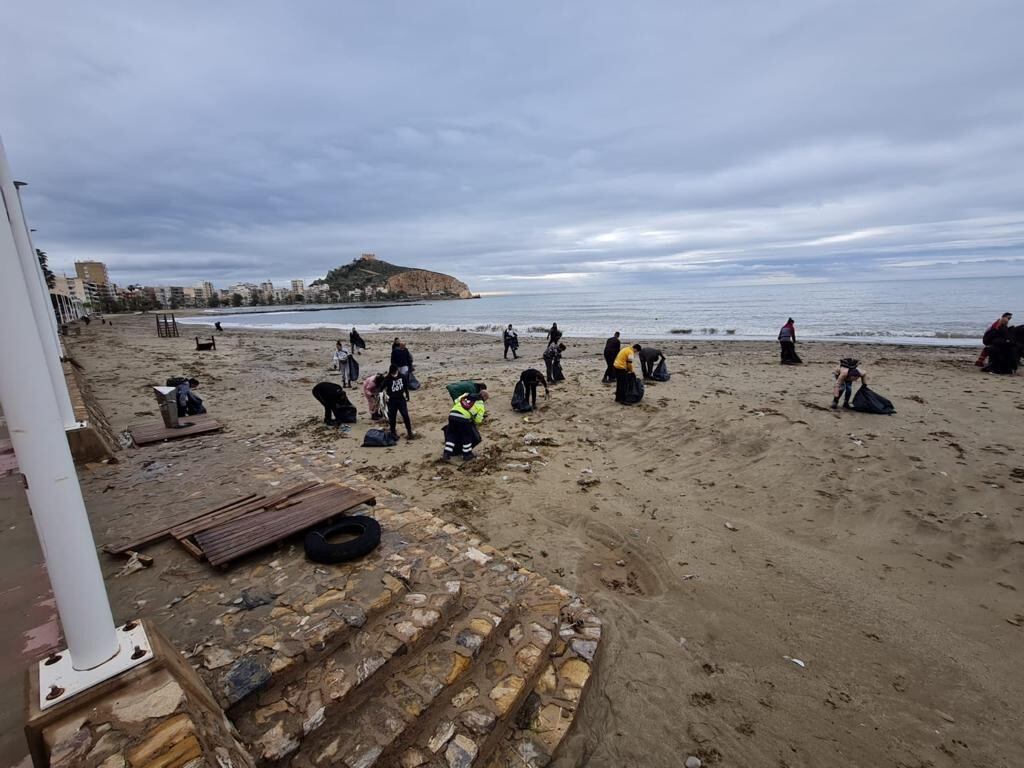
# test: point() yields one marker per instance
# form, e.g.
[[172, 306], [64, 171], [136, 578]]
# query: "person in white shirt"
[[341, 363]]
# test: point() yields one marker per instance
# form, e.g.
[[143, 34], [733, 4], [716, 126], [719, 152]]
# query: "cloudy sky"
[[521, 146]]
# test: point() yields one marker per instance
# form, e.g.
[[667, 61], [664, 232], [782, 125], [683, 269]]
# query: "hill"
[[373, 277]]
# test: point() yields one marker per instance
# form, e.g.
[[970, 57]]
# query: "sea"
[[926, 311]]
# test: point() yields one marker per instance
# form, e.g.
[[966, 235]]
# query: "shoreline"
[[954, 342]]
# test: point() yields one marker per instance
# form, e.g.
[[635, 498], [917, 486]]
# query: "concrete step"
[[466, 730]]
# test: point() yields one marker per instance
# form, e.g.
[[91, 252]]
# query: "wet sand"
[[727, 522]]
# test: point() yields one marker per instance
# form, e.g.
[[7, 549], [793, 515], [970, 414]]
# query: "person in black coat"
[[401, 359], [611, 350], [650, 359], [333, 398], [397, 396], [531, 379]]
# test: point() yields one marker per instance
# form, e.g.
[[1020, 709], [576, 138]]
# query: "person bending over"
[[553, 362], [845, 375], [333, 399], [624, 369], [466, 413], [397, 401], [373, 387], [532, 378], [650, 359]]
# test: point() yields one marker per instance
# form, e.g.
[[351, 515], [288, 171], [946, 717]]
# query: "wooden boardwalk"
[[145, 434]]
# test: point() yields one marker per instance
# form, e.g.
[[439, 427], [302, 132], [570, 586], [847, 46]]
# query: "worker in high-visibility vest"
[[466, 413]]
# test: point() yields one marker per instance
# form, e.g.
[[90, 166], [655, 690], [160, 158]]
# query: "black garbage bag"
[[868, 401], [353, 368], [413, 383], [1003, 357], [346, 414], [378, 438], [556, 371], [661, 372], [520, 402], [634, 390]]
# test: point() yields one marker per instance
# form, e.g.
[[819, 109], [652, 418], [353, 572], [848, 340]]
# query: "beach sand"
[[782, 584]]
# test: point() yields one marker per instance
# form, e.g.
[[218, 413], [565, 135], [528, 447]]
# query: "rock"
[[461, 752], [254, 598], [693, 762], [246, 676], [584, 648], [527, 658], [469, 640], [275, 744], [478, 720], [504, 694], [466, 695], [413, 758], [215, 658], [444, 732], [576, 672], [459, 665], [477, 556]]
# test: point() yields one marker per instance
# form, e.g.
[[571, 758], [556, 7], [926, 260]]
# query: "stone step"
[[545, 718], [373, 734], [339, 653], [276, 630], [466, 730]]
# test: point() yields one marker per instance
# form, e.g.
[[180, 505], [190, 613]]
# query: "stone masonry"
[[434, 650]]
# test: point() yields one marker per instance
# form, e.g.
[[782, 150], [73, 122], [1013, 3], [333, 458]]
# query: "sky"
[[521, 146]]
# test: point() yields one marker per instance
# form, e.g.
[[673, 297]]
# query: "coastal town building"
[[298, 286], [92, 272]]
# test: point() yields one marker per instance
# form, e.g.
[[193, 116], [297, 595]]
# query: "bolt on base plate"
[[59, 680]]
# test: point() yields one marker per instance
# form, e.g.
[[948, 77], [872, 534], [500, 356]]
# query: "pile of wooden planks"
[[244, 525], [146, 434]]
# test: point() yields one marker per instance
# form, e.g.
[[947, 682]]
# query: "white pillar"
[[38, 298], [44, 458]]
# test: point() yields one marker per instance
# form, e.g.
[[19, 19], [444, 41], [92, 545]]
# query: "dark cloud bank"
[[526, 146]]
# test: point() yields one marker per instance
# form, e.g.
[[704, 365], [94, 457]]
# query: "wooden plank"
[[157, 535], [326, 495], [286, 523], [257, 505], [232, 540], [192, 549], [145, 434]]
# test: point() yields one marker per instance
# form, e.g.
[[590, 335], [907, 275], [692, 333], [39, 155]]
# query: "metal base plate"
[[59, 680]]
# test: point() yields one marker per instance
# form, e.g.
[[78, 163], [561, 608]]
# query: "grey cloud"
[[574, 143]]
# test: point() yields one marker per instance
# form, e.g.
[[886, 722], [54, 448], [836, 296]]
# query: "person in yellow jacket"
[[623, 366], [466, 413]]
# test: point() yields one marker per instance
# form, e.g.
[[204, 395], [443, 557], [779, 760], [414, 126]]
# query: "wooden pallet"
[[145, 434], [230, 540], [246, 524]]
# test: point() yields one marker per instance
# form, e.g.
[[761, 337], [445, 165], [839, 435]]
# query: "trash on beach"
[[136, 562], [731, 527], [688, 576], [801, 664]]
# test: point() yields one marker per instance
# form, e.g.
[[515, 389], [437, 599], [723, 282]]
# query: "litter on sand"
[[799, 663]]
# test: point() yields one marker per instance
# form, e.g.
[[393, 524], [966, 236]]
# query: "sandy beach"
[[782, 584]]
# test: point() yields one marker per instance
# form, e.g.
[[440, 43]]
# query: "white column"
[[41, 447], [37, 294]]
